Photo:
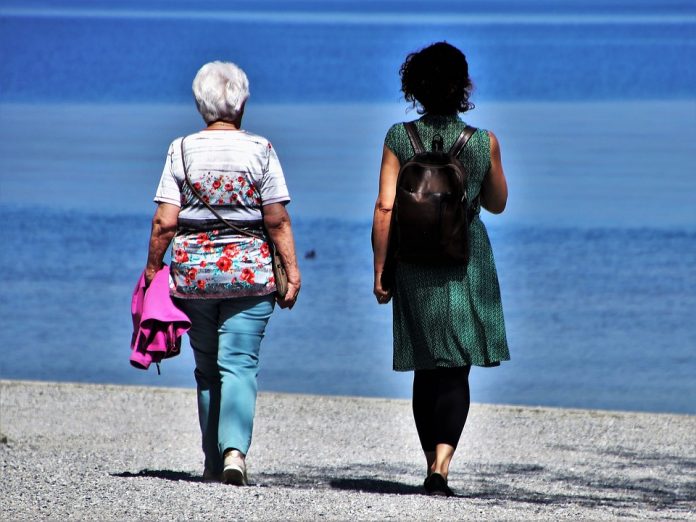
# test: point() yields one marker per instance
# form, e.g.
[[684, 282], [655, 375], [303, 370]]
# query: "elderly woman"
[[446, 318], [222, 278]]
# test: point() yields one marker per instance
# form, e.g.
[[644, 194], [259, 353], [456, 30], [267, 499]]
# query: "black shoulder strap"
[[462, 140], [416, 142]]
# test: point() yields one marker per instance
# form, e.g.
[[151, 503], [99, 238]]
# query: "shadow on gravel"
[[590, 490], [376, 486], [358, 477], [165, 474]]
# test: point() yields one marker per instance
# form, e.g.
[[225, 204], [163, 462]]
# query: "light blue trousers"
[[226, 336]]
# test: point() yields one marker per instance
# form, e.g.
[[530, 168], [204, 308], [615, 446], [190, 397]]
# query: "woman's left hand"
[[149, 276], [382, 219], [383, 296], [163, 229]]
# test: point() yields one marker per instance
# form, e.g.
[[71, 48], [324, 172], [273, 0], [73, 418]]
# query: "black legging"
[[440, 405]]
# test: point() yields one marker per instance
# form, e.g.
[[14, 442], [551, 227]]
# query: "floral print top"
[[220, 264], [237, 172]]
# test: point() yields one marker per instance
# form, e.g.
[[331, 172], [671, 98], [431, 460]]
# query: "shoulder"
[[493, 140], [395, 129], [395, 134], [483, 137], [188, 142], [254, 139], [174, 150], [399, 126], [175, 144]]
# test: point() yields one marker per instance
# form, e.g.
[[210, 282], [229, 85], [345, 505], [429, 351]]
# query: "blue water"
[[594, 105], [596, 318], [340, 51]]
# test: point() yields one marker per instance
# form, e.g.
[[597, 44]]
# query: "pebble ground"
[[96, 452]]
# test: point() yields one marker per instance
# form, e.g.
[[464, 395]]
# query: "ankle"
[[233, 452], [429, 462], [440, 471]]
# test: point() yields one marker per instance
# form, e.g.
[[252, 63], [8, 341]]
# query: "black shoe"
[[436, 485]]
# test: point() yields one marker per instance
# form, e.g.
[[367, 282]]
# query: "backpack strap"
[[416, 142], [462, 140]]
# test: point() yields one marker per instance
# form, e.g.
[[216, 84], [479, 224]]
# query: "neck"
[[453, 116], [222, 125]]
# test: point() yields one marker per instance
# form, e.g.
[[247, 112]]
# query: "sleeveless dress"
[[449, 316]]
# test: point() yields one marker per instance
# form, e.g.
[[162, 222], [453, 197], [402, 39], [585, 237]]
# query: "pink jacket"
[[157, 323]]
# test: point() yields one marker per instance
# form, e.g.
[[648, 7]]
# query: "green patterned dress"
[[449, 316]]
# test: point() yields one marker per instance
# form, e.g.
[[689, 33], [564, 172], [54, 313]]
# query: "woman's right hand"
[[277, 222], [291, 297], [383, 296], [494, 190]]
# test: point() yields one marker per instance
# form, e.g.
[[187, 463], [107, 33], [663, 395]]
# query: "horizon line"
[[352, 18]]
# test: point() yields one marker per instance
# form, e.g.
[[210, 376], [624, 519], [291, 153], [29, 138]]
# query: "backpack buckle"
[[438, 143]]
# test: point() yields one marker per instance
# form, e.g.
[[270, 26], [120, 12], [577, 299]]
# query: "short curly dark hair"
[[436, 80]]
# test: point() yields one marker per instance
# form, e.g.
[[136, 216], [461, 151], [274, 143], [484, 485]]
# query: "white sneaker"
[[234, 471]]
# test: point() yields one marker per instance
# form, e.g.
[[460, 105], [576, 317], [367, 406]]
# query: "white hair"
[[220, 89]]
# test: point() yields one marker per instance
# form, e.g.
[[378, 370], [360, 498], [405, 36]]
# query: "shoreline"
[[309, 396], [132, 452]]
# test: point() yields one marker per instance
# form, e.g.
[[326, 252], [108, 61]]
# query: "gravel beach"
[[82, 451]]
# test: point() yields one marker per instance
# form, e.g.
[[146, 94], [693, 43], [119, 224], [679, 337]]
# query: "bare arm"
[[382, 219], [277, 222], [163, 229], [494, 191]]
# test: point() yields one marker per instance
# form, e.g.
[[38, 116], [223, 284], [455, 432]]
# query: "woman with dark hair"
[[446, 317]]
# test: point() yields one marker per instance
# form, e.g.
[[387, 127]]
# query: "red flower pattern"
[[224, 263], [180, 255], [231, 250], [247, 275], [236, 264], [213, 189]]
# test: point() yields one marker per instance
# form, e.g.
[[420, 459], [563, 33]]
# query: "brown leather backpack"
[[431, 212]]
